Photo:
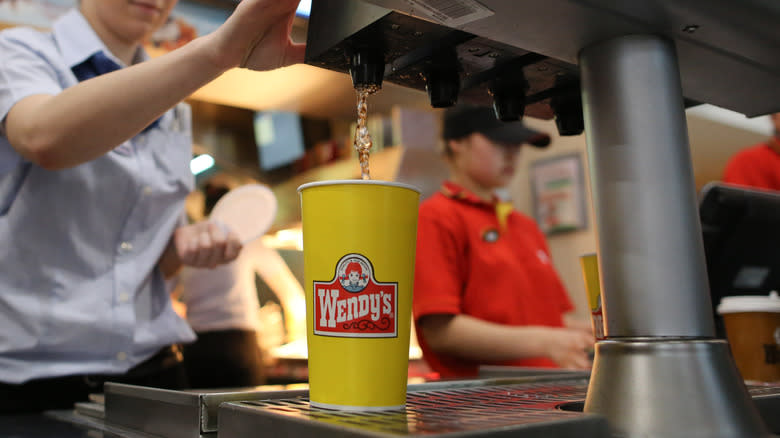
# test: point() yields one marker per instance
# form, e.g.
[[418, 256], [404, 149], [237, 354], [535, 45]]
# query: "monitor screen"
[[741, 232], [279, 138]]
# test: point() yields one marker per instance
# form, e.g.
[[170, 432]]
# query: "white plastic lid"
[[249, 210], [750, 303]]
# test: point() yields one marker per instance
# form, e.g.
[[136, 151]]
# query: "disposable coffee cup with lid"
[[753, 330], [750, 303]]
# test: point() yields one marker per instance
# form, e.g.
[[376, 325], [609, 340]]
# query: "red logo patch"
[[353, 304]]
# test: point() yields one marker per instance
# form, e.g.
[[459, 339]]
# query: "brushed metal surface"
[[517, 404], [650, 388], [512, 396], [495, 408], [676, 381], [176, 414], [651, 255]]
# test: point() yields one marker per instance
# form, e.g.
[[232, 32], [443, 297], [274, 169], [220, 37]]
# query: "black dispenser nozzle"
[[442, 87], [442, 79], [509, 107], [567, 106], [367, 68], [508, 89]]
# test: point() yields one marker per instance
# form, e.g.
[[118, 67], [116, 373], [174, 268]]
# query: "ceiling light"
[[201, 163]]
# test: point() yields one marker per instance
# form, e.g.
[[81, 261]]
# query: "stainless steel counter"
[[532, 406], [62, 424], [516, 402]]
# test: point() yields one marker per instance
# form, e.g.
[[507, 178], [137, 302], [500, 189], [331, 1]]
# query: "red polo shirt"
[[473, 259], [757, 166]]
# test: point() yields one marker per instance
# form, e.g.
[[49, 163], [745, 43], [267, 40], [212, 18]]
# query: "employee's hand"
[[568, 347], [257, 36], [206, 244], [201, 245]]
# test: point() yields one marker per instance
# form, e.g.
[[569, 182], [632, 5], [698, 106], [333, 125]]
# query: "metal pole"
[[659, 373], [650, 246]]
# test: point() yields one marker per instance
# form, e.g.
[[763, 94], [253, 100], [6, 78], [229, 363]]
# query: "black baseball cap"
[[463, 120]]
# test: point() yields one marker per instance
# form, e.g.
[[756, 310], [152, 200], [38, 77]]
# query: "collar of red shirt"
[[501, 208], [454, 191]]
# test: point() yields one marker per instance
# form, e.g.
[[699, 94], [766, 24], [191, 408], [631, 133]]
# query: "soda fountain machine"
[[623, 72]]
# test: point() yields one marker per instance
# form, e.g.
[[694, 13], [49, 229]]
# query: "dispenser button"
[[121, 356]]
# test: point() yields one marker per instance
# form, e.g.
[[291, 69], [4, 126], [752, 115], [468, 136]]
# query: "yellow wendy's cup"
[[590, 273], [359, 241]]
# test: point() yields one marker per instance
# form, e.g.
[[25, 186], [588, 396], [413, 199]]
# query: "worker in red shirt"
[[485, 289], [757, 166]]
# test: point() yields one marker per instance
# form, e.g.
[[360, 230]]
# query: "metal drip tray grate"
[[467, 411], [496, 408]]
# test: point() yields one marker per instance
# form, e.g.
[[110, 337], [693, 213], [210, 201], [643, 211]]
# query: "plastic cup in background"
[[359, 240], [753, 330], [590, 273]]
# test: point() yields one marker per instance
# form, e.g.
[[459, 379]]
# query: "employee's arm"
[[103, 112], [576, 323], [475, 339]]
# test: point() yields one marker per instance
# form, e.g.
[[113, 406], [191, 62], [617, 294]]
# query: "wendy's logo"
[[353, 272], [354, 304]]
